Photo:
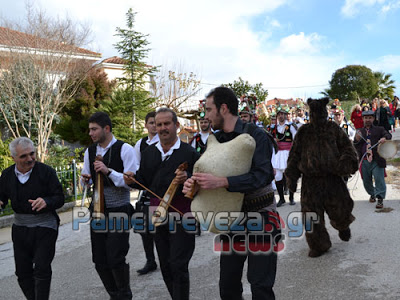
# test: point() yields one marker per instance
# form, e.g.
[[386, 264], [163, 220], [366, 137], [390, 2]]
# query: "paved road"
[[367, 267]]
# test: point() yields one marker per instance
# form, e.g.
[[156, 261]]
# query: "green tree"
[[133, 49], [386, 85], [96, 88], [118, 107], [241, 87], [352, 83]]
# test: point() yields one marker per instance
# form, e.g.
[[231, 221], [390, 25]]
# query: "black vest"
[[112, 159], [143, 144], [286, 136], [200, 147]]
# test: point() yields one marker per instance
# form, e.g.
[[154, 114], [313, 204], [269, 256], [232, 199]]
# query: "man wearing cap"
[[284, 134], [338, 117], [300, 117], [246, 116], [199, 140], [372, 164]]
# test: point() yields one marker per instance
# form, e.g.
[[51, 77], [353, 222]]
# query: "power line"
[[283, 87]]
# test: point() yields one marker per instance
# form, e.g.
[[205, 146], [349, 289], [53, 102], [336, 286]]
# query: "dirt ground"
[[393, 173]]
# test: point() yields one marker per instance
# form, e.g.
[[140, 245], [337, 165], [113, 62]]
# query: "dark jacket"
[[43, 182], [377, 132]]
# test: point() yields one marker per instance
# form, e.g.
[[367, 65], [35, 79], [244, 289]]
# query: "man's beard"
[[219, 125]]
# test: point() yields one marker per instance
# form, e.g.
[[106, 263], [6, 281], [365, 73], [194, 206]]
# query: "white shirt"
[[281, 128], [127, 157], [23, 177], [350, 130], [203, 136], [138, 154], [169, 153]]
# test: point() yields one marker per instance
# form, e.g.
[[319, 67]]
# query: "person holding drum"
[[373, 165]]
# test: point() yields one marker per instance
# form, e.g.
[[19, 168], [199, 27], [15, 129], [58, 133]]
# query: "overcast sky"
[[291, 46]]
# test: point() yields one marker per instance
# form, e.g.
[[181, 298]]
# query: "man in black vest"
[[158, 169], [199, 140], [35, 193], [143, 202], [222, 111], [109, 249]]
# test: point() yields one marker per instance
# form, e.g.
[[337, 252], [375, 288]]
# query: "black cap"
[[368, 113]]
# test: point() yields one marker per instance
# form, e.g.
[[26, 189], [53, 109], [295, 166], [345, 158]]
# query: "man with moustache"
[[199, 141], [158, 169], [143, 202], [372, 164], [109, 249], [35, 193], [222, 111]]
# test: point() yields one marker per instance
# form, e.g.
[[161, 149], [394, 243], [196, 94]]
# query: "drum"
[[388, 149]]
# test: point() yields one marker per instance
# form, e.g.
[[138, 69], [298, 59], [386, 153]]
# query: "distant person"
[[356, 116], [372, 164], [199, 141], [143, 203], [35, 193], [382, 115]]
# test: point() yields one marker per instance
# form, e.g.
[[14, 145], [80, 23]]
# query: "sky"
[[292, 47]]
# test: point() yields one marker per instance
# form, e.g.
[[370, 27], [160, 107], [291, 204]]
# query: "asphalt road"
[[366, 267]]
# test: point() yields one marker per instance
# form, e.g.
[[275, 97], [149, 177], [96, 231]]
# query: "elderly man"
[[372, 164], [35, 193]]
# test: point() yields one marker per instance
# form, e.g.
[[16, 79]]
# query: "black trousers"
[[261, 271], [175, 249], [109, 249], [34, 249], [147, 238]]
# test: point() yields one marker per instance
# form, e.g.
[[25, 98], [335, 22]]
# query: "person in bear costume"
[[322, 154]]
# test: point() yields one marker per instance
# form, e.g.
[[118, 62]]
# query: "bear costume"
[[322, 154]]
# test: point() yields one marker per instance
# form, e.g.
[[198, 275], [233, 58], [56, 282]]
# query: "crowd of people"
[[161, 161]]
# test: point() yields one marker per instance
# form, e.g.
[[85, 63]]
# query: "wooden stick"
[[98, 206], [151, 192]]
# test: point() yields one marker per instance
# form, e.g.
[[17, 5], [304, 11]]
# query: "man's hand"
[[180, 177], [99, 166], [1, 203], [129, 177], [208, 181], [187, 186], [357, 137], [85, 178], [382, 140], [38, 204]]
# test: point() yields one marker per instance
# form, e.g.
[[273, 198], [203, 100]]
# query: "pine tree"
[[133, 50]]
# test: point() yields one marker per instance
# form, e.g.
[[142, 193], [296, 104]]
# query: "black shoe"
[[281, 202], [148, 267], [345, 235], [379, 205], [291, 202], [372, 199]]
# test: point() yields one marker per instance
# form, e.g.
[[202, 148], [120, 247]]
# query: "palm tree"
[[386, 85]]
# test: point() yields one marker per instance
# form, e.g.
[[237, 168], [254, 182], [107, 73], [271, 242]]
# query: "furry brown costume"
[[322, 153]]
